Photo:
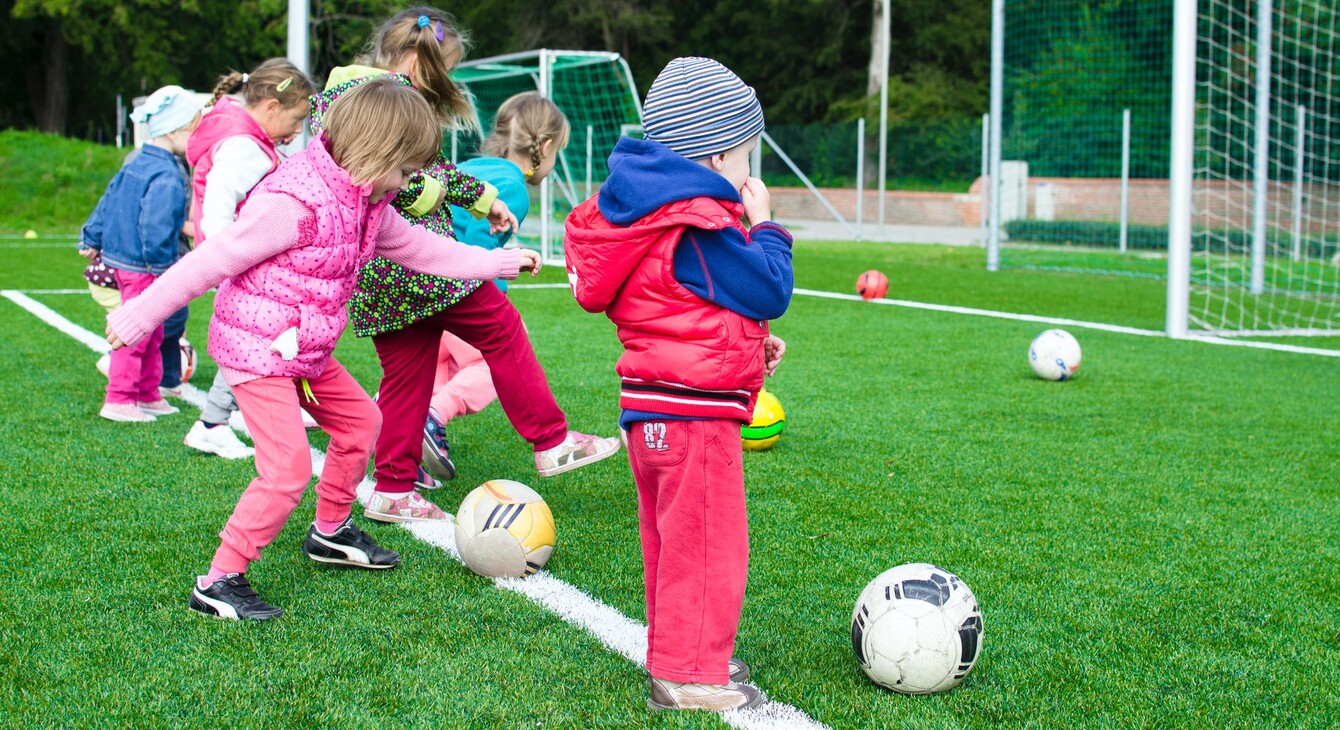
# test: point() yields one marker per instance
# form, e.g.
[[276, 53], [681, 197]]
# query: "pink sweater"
[[271, 225]]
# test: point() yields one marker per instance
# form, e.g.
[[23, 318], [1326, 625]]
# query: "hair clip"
[[423, 21], [245, 76], [529, 173], [284, 84], [440, 35]]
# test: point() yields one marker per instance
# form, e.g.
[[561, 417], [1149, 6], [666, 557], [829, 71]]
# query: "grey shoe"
[[739, 671], [666, 695]]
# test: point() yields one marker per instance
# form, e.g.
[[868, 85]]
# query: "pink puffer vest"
[[228, 119], [308, 285]]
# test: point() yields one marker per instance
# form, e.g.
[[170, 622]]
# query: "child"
[[285, 271], [661, 250], [230, 152], [529, 131], [135, 228], [406, 311]]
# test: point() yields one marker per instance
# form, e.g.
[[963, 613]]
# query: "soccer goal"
[[594, 89], [1257, 251], [1205, 152]]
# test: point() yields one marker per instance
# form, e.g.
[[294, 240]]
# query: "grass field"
[[1154, 544]]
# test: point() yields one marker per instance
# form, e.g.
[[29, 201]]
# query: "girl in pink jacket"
[[285, 270]]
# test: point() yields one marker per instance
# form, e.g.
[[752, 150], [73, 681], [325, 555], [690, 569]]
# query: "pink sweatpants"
[[463, 384], [284, 457], [135, 372], [695, 544]]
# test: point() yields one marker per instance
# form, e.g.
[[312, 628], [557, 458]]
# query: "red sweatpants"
[[487, 321], [695, 544], [284, 457]]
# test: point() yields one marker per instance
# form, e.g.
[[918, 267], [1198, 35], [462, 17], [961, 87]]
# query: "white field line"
[[1057, 321], [617, 632]]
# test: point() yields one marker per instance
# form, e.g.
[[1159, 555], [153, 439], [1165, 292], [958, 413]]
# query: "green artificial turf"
[[1153, 544]]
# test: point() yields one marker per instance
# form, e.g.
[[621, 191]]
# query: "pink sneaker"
[[125, 412], [576, 451], [410, 508], [158, 407]]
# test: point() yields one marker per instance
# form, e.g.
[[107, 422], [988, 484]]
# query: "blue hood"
[[646, 175]]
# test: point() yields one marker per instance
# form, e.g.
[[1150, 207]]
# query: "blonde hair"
[[379, 126], [402, 35], [523, 124], [276, 78]]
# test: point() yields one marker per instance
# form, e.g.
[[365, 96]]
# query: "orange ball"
[[872, 285]]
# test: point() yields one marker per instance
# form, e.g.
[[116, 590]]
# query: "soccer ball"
[[767, 425], [917, 629], [187, 360], [872, 285], [504, 529], [1054, 355]]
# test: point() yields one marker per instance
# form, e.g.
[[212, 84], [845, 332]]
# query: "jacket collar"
[[337, 178]]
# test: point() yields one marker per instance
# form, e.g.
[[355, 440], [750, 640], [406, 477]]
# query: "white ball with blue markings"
[[1054, 355], [917, 629], [504, 529]]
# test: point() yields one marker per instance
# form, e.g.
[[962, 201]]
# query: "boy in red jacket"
[[663, 252]]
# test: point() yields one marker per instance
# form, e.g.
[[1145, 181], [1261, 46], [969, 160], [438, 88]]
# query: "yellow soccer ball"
[[767, 425], [30, 234], [504, 529]]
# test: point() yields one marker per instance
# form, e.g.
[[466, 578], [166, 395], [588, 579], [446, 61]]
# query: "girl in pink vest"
[[231, 151], [285, 270]]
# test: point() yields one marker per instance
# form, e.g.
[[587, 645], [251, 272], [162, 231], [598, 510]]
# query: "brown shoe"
[[667, 695]]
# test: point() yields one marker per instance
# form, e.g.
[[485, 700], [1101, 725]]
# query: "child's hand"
[[757, 201], [773, 349], [441, 198], [500, 218], [88, 252], [113, 339], [530, 261]]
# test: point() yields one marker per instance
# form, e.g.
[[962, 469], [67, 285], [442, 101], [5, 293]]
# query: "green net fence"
[[593, 89]]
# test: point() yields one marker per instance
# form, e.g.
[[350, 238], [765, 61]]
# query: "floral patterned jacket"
[[389, 296]]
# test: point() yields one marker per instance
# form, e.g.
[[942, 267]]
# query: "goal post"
[[594, 90]]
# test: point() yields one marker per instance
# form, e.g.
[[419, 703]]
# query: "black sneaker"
[[348, 546], [232, 597]]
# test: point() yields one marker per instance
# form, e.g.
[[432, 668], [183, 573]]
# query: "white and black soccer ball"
[[917, 629], [1054, 355]]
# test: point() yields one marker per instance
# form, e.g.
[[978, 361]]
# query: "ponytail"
[[437, 45], [276, 79]]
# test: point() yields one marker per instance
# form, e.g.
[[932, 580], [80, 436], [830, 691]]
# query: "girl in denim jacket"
[[135, 228]]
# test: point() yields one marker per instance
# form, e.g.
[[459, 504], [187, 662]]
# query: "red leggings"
[[487, 321], [695, 544]]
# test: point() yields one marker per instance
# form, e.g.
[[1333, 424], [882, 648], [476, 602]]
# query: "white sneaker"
[[218, 440], [576, 451]]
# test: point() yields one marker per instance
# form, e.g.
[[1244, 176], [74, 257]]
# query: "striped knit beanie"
[[699, 108]]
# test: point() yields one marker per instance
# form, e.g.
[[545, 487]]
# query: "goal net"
[[1086, 150], [594, 89], [1265, 203]]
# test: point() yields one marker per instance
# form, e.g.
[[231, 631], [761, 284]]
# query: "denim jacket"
[[138, 221]]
